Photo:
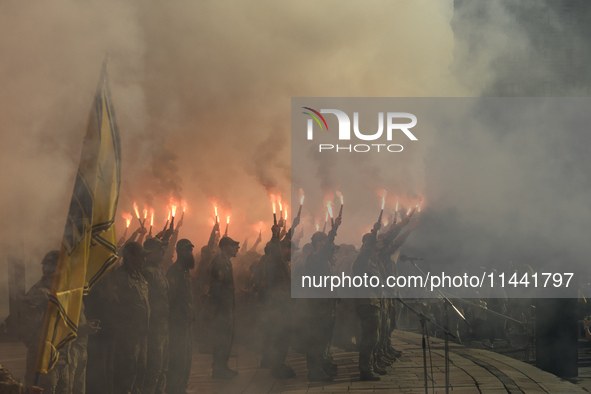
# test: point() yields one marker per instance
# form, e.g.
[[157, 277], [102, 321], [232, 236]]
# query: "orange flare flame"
[[127, 218], [317, 227], [340, 195], [383, 200], [145, 213], [151, 217], [184, 205], [168, 215], [326, 218], [286, 212], [173, 209], [408, 211], [329, 207], [302, 199], [228, 219], [136, 209], [274, 208]]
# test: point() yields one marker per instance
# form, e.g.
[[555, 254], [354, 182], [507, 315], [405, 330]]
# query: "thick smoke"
[[202, 94]]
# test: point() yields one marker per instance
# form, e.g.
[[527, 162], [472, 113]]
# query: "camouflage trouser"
[[99, 376], [77, 368], [57, 380], [321, 315], [129, 364], [370, 317], [157, 363], [223, 337], [180, 356], [279, 329]]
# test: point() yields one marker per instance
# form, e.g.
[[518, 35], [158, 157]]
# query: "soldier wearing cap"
[[181, 318], [157, 356], [31, 317], [221, 296], [132, 309]]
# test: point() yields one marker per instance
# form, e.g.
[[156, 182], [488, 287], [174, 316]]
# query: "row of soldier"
[[136, 332]]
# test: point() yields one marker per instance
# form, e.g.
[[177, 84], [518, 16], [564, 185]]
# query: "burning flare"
[[145, 213], [228, 219], [383, 201], [329, 207], [127, 218], [285, 212], [340, 195], [408, 211], [136, 209], [151, 217], [173, 209]]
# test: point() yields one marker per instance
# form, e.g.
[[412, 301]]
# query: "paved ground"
[[471, 371]]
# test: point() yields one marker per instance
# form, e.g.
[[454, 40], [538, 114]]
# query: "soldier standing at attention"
[[221, 295], [132, 310], [157, 356], [181, 319], [31, 318]]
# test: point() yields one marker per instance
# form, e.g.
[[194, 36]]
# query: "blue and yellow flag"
[[89, 245]]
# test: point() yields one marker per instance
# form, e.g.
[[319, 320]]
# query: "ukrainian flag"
[[88, 247]]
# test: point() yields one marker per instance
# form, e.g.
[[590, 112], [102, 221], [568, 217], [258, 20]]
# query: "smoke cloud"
[[202, 94]]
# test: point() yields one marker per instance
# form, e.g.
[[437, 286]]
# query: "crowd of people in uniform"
[[139, 322]]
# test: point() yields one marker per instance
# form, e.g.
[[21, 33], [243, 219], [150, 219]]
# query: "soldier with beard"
[[221, 296], [181, 319], [155, 379]]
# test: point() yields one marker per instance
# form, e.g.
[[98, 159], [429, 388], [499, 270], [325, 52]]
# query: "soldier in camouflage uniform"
[[78, 353], [8, 385], [31, 318], [279, 304], [157, 357], [132, 311], [221, 296], [321, 311], [388, 244], [369, 308], [181, 319]]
